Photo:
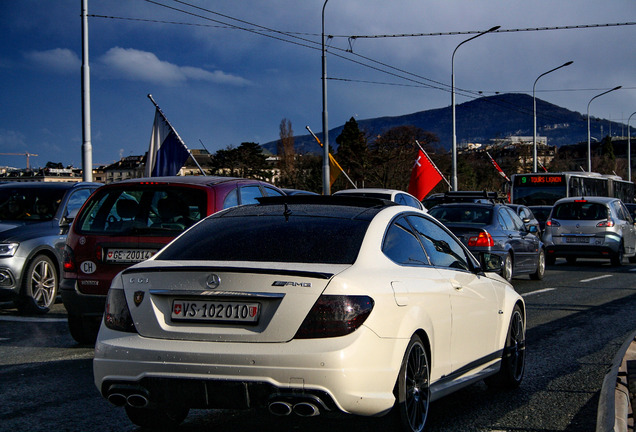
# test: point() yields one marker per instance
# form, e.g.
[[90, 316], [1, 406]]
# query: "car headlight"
[[8, 249]]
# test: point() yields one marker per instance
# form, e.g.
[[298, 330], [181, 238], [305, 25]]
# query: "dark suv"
[[129, 221]]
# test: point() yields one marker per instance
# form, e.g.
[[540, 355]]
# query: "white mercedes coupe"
[[308, 305]]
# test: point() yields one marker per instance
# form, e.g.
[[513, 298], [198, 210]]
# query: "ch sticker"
[[88, 267]]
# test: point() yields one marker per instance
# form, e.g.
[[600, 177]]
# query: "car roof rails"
[[475, 196]]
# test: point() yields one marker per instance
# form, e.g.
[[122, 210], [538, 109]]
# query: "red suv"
[[129, 221]]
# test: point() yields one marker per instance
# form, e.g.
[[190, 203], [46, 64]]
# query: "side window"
[[628, 216], [249, 194], [401, 245], [270, 191], [506, 220], [442, 249], [76, 200], [410, 201], [231, 199], [516, 221]]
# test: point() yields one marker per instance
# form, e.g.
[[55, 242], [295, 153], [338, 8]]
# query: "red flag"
[[424, 176], [497, 167]]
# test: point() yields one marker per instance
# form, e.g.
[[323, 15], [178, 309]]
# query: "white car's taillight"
[[117, 315], [335, 315]]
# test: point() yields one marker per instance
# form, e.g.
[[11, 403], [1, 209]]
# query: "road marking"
[[537, 292], [595, 278], [31, 319]]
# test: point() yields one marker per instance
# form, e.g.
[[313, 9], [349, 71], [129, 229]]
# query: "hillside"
[[479, 121]]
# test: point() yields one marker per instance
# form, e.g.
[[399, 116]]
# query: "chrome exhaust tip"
[[306, 409], [117, 399], [137, 400], [280, 408]]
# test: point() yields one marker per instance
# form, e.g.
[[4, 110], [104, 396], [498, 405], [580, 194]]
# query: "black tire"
[[508, 268], [550, 260], [39, 286], [84, 331], [617, 258], [164, 418], [412, 391], [540, 272], [513, 360]]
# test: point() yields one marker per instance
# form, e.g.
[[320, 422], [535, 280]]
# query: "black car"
[[495, 229], [542, 213], [527, 216]]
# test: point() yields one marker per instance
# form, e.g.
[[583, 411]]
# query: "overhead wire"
[[296, 39]]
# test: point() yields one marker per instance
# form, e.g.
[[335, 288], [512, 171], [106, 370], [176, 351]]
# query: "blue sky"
[[223, 85]]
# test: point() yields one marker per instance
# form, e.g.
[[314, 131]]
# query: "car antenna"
[[287, 213]]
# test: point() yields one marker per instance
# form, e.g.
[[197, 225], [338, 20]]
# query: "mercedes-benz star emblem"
[[213, 281]]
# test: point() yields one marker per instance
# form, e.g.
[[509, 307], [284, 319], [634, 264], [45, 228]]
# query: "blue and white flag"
[[167, 152]]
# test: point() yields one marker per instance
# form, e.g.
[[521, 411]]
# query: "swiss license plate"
[[215, 311], [577, 239], [129, 255]]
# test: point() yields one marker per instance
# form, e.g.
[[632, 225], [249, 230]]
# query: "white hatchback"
[[307, 305]]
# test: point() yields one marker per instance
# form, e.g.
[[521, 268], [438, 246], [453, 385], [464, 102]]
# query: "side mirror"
[[67, 220], [491, 262]]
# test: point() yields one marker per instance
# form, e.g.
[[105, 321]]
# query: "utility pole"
[[87, 147]]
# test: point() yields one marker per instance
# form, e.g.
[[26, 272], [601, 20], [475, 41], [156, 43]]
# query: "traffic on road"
[[578, 317]]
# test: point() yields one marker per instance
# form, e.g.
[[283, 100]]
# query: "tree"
[[287, 154], [352, 154], [393, 155], [247, 161]]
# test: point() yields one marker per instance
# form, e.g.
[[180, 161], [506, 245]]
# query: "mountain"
[[479, 121]]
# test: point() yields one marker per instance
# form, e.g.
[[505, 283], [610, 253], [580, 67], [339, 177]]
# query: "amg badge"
[[290, 283]]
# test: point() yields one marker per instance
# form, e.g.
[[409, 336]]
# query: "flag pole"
[[176, 133], [432, 163], [337, 164]]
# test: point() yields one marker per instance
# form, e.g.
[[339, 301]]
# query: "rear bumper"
[[355, 373], [581, 251], [78, 304]]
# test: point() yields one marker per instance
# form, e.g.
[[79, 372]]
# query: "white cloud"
[[139, 65], [59, 60]]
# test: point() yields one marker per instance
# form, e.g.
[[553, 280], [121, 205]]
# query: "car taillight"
[[552, 223], [69, 260], [335, 315], [606, 224], [483, 239], [117, 315]]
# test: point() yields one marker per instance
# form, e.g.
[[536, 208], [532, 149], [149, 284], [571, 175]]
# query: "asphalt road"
[[578, 317]]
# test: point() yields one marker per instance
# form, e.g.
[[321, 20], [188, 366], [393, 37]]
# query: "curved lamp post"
[[454, 155], [534, 104], [589, 140], [629, 150], [326, 186]]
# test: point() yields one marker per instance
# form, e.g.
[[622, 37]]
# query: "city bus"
[[546, 188]]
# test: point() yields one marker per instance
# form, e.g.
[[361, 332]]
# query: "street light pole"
[[87, 147], [454, 150], [326, 186], [534, 110], [629, 150], [589, 139]]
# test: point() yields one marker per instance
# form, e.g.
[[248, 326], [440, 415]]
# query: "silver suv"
[[590, 228]]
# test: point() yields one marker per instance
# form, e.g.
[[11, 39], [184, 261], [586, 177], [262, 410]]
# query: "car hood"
[[20, 231]]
